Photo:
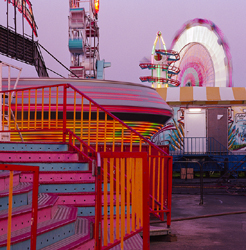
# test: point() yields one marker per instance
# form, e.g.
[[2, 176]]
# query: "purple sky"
[[128, 29]]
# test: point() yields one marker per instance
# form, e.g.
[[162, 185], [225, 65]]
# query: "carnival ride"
[[160, 65], [84, 41], [205, 58]]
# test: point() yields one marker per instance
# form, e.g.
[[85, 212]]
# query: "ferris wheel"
[[205, 58]]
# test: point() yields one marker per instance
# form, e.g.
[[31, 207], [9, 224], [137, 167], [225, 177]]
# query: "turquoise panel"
[[76, 46]]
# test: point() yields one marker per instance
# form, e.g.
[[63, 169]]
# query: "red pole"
[[64, 112], [34, 220], [169, 194], [146, 244], [98, 226]]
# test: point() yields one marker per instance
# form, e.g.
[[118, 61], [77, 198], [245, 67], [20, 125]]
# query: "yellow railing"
[[123, 177]]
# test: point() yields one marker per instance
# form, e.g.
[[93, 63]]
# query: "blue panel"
[[76, 166], [33, 147], [76, 46], [67, 188], [90, 211], [54, 236], [18, 200]]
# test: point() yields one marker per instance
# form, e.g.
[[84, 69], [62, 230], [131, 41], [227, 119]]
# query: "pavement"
[[212, 232]]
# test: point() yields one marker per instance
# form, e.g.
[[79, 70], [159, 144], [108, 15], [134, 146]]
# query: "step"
[[48, 232], [135, 242], [80, 240], [78, 188], [21, 216], [21, 195], [26, 156], [59, 177], [10, 146], [59, 166], [4, 179]]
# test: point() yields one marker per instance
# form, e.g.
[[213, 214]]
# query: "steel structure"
[[84, 40], [20, 46], [161, 65]]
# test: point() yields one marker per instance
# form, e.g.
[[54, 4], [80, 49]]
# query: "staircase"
[[66, 192], [92, 167]]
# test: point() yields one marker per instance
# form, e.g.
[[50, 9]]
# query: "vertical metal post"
[[34, 218], [169, 191], [1, 101], [7, 27], [98, 226], [146, 243], [10, 208], [15, 30], [64, 112]]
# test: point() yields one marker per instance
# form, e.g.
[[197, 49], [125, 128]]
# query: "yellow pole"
[[10, 209]]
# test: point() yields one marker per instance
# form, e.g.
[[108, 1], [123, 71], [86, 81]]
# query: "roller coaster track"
[[23, 49]]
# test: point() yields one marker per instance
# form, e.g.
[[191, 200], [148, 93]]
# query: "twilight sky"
[[128, 29]]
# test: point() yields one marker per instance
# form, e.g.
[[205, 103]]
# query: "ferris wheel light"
[[96, 2]]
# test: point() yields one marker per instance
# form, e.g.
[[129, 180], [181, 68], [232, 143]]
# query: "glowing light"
[[96, 3], [195, 110]]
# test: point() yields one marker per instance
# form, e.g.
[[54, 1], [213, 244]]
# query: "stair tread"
[[44, 200], [63, 216], [22, 187], [82, 234]]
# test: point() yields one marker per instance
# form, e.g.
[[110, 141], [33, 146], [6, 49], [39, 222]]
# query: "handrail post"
[[98, 225], [64, 112]]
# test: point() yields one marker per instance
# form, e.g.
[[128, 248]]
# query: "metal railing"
[[63, 113], [201, 146], [122, 184], [34, 216]]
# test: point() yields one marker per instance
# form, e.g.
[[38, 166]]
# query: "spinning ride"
[[205, 58], [161, 65]]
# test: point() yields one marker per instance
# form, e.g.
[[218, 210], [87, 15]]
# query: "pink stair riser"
[[88, 199], [24, 220], [60, 176], [16, 181], [38, 157]]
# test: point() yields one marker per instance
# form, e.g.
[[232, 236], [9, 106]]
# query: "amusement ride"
[[161, 65]]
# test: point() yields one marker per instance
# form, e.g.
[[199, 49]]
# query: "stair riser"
[[71, 166], [32, 147], [67, 188], [81, 199], [24, 220], [37, 157], [4, 182], [58, 177], [18, 200], [90, 211]]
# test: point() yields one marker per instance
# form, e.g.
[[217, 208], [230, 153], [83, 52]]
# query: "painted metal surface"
[[125, 177], [35, 171]]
